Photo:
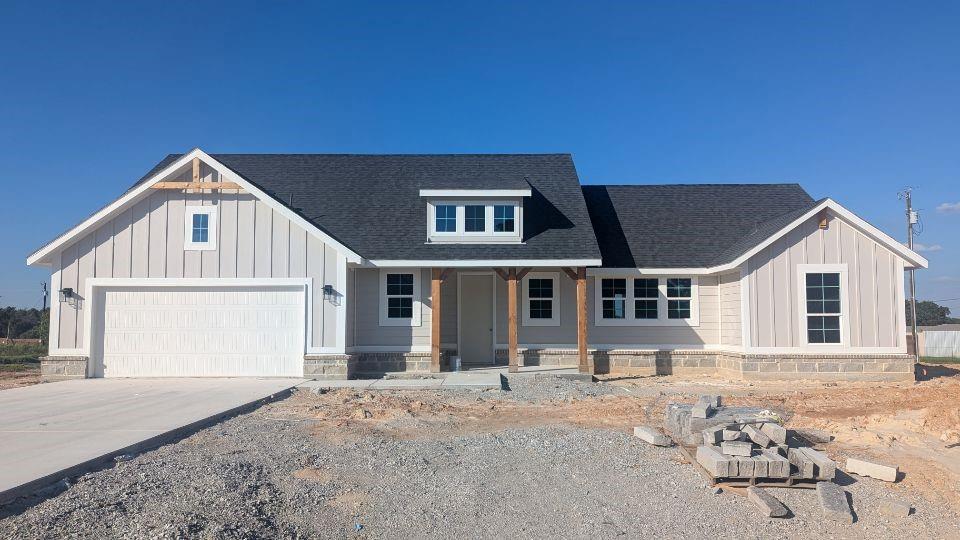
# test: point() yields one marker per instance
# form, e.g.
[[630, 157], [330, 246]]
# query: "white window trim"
[[417, 301], [630, 319], [525, 295], [487, 236], [211, 243], [802, 271]]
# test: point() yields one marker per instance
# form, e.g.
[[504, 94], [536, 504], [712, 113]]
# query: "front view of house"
[[336, 266]]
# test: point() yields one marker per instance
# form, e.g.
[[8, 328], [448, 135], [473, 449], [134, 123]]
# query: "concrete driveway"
[[49, 431]]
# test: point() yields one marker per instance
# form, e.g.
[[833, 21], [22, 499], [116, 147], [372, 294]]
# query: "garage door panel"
[[202, 332]]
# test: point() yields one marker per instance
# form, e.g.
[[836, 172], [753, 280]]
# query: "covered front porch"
[[488, 325]]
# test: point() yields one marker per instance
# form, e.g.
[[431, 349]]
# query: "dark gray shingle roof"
[[372, 203], [684, 226]]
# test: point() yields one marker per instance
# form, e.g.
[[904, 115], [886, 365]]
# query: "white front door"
[[476, 319], [199, 332]]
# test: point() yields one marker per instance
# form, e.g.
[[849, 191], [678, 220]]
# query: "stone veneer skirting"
[[60, 368], [367, 364], [734, 365]]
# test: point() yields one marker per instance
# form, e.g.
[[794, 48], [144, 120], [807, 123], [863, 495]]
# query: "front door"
[[476, 319]]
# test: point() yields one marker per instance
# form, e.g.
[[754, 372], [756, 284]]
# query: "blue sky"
[[853, 100]]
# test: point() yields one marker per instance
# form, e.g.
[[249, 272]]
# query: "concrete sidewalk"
[[463, 379], [49, 431]]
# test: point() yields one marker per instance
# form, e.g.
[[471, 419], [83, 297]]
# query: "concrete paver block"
[[767, 503], [761, 467], [894, 508], [775, 432], [713, 435], [887, 473], [801, 461], [824, 467], [652, 436], [713, 461], [833, 502], [746, 467], [703, 408], [777, 466], [736, 448], [757, 436], [732, 435]]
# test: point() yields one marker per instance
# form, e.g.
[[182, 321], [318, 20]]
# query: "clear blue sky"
[[853, 100]]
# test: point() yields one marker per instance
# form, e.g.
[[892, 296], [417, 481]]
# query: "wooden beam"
[[196, 169], [570, 272], [437, 279], [514, 365], [502, 273], [445, 273], [196, 185], [583, 363], [522, 273]]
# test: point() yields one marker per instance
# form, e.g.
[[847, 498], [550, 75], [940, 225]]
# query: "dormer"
[[474, 216]]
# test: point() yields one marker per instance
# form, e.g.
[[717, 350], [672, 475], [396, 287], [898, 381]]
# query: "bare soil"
[[23, 377]]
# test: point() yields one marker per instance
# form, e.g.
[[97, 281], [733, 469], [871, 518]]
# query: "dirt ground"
[[544, 458], [13, 379]]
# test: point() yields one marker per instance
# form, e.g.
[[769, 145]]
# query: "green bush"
[[22, 349]]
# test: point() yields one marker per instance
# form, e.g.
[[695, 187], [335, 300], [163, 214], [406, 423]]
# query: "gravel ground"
[[280, 472]]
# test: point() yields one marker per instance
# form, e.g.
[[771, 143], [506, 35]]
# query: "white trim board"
[[135, 194], [476, 192], [486, 263]]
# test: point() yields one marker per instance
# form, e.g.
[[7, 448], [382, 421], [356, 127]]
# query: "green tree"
[[930, 314]]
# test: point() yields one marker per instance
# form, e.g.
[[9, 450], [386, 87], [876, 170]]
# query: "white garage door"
[[201, 332]]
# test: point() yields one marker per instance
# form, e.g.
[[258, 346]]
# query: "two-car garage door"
[[199, 332]]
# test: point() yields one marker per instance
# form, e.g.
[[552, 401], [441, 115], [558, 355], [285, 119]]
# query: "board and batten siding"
[[146, 241], [876, 315], [731, 332]]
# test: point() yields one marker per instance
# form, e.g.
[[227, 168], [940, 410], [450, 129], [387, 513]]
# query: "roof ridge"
[[347, 154]]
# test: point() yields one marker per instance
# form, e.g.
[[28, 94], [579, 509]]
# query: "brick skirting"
[[61, 368]]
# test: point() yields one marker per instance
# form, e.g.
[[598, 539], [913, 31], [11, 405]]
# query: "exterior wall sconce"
[[67, 295], [328, 293]]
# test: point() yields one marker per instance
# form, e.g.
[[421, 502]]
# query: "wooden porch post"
[[583, 362], [435, 281], [512, 321]]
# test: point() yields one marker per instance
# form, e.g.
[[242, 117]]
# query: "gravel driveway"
[[540, 461]]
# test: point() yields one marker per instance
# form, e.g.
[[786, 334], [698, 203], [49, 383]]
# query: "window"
[[541, 306], [200, 228], [614, 294], [823, 307], [645, 293], [503, 218], [621, 299], [399, 298], [474, 219], [678, 298], [446, 220]]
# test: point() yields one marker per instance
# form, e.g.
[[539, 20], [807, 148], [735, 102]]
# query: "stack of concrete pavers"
[[744, 442]]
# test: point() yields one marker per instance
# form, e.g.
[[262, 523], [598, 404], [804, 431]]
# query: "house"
[[336, 266]]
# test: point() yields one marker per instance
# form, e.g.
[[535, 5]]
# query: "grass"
[[21, 354], [13, 368], [939, 360]]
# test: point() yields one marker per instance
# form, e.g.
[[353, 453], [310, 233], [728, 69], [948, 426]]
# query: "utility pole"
[[911, 221]]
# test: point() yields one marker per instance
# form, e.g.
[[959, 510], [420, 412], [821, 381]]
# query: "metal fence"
[[942, 344]]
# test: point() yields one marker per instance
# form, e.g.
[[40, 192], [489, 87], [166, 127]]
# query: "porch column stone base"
[[61, 368], [378, 363], [328, 367]]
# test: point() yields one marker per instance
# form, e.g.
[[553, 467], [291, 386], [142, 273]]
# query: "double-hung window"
[[679, 293], [503, 220], [823, 307], [474, 218], [645, 294], [614, 297], [399, 304], [541, 303]]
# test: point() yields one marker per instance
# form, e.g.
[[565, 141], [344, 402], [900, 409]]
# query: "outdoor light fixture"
[[328, 293], [67, 295]]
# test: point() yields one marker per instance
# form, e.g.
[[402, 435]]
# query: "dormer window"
[[475, 216]]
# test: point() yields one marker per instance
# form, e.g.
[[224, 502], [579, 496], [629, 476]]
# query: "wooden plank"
[[437, 279], [502, 273], [523, 273], [583, 362], [196, 185], [445, 273], [196, 169], [514, 365], [570, 272]]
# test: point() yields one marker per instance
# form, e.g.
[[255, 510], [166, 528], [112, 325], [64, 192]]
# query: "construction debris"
[[703, 408], [687, 429], [833, 502], [879, 471], [768, 504], [892, 508], [652, 436]]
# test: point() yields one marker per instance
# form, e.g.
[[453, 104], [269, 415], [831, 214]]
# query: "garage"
[[203, 331]]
